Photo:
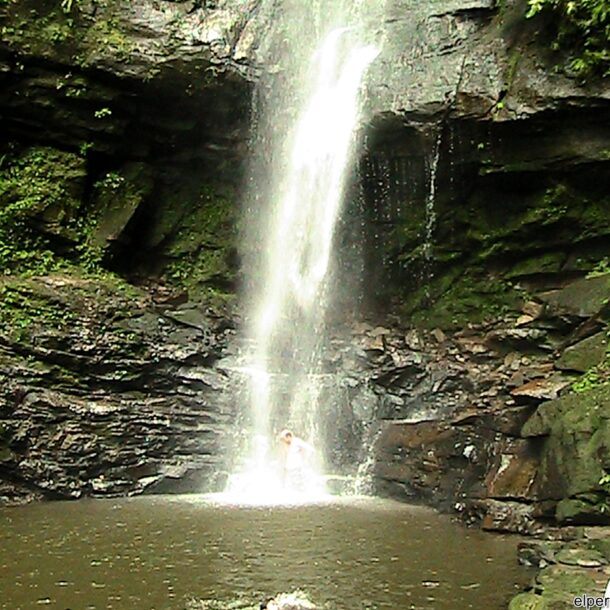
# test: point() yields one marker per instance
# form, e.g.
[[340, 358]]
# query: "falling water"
[[431, 209], [292, 292]]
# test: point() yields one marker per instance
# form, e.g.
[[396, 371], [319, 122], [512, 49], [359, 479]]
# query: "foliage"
[[21, 311], [66, 5], [84, 148], [604, 483], [40, 201], [102, 113], [582, 29], [602, 267], [85, 38], [112, 181], [27, 190], [202, 247]]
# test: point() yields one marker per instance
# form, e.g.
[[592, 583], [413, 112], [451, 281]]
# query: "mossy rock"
[[117, 197], [528, 601], [453, 300], [585, 354], [577, 511], [58, 305], [576, 451], [602, 545], [201, 251], [560, 584], [44, 29], [548, 262], [41, 192], [584, 297], [585, 557]]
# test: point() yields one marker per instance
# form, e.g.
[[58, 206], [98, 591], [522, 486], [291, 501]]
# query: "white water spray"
[[292, 281]]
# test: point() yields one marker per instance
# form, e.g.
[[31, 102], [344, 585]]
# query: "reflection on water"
[[159, 552]]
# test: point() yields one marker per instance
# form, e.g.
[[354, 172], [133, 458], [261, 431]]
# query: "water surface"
[[157, 552]]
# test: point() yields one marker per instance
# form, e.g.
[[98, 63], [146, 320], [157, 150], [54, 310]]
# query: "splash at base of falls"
[[265, 481], [264, 487]]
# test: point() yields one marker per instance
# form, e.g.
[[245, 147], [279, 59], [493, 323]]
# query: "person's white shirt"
[[299, 453]]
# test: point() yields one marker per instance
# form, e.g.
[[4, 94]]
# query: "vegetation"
[[67, 5], [21, 310], [65, 29], [32, 194], [601, 268], [43, 226], [201, 249], [580, 28]]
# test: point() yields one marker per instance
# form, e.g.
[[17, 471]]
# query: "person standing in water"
[[297, 461]]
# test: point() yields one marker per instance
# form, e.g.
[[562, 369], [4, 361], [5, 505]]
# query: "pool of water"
[[159, 552]]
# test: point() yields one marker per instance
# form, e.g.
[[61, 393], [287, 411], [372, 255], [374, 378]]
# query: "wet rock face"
[[105, 392], [521, 439], [151, 71], [142, 99]]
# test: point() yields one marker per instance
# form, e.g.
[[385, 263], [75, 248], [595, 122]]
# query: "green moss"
[[105, 36], [22, 311], [39, 198], [454, 300], [528, 601], [547, 262], [602, 267], [579, 30], [51, 29], [535, 223], [44, 223], [596, 376], [576, 451], [513, 67], [116, 198], [200, 251]]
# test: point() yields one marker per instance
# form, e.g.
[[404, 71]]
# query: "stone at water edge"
[[528, 601]]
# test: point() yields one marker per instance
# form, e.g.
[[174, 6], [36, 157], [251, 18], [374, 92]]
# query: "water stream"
[[312, 156]]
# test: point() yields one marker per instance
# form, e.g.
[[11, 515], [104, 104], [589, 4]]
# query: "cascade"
[[311, 156]]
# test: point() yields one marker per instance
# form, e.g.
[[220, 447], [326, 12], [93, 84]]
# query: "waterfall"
[[309, 160], [431, 210]]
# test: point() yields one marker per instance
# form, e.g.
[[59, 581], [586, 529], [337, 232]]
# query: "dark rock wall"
[[159, 122], [107, 391], [124, 141], [515, 203], [519, 438]]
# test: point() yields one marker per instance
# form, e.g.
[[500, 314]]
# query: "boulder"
[[583, 511], [541, 389], [117, 198], [509, 517], [583, 298], [576, 449], [513, 473], [584, 355]]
